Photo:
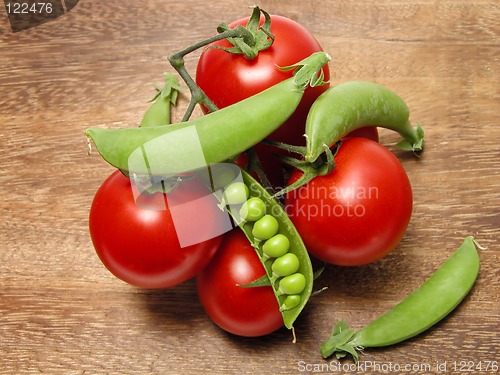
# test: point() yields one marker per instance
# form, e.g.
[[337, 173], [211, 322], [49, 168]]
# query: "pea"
[[222, 175], [423, 308], [266, 227], [253, 209], [286, 265], [236, 193], [189, 145], [276, 246], [351, 105], [159, 112], [342, 109], [292, 284], [290, 302]]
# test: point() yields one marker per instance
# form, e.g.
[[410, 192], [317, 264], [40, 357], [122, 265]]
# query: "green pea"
[[292, 284], [286, 241], [266, 227], [222, 174], [286, 265], [351, 105], [253, 209], [236, 193], [423, 308], [189, 145], [159, 112], [290, 302], [276, 246]]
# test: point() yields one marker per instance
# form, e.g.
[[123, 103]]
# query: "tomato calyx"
[[322, 166], [253, 38]]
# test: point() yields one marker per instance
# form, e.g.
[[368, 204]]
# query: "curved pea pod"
[[218, 136], [290, 310], [352, 105], [426, 306]]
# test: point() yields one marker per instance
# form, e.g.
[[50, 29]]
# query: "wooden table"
[[62, 312]]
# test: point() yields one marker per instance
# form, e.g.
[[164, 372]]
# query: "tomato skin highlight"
[[357, 214], [137, 241], [241, 311]]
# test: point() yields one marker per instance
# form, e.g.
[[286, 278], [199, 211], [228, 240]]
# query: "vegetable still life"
[[281, 177]]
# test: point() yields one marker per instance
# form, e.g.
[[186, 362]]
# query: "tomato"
[[137, 239], [369, 132], [228, 78], [358, 213], [240, 311]]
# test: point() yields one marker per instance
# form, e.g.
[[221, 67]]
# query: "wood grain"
[[61, 312]]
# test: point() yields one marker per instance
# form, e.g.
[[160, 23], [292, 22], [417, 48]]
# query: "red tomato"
[[138, 240], [358, 213], [241, 311], [227, 78], [369, 132]]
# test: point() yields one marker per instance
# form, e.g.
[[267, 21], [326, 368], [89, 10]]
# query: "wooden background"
[[61, 312]]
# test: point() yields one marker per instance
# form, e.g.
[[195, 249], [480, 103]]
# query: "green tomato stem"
[[320, 167], [256, 40], [240, 36]]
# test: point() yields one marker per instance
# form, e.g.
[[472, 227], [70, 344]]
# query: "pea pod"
[[164, 150], [296, 247], [352, 105], [426, 306], [270, 228], [159, 112]]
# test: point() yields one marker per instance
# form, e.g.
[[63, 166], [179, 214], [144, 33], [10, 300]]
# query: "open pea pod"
[[291, 304], [270, 231], [218, 136]]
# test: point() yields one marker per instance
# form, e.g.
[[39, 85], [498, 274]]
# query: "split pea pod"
[[426, 306], [276, 241], [177, 148], [352, 105]]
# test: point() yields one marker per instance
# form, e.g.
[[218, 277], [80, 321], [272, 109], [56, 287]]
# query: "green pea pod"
[[164, 150], [352, 105], [426, 306], [276, 237], [159, 112], [297, 248]]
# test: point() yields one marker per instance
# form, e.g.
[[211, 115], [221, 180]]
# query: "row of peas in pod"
[[276, 241]]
